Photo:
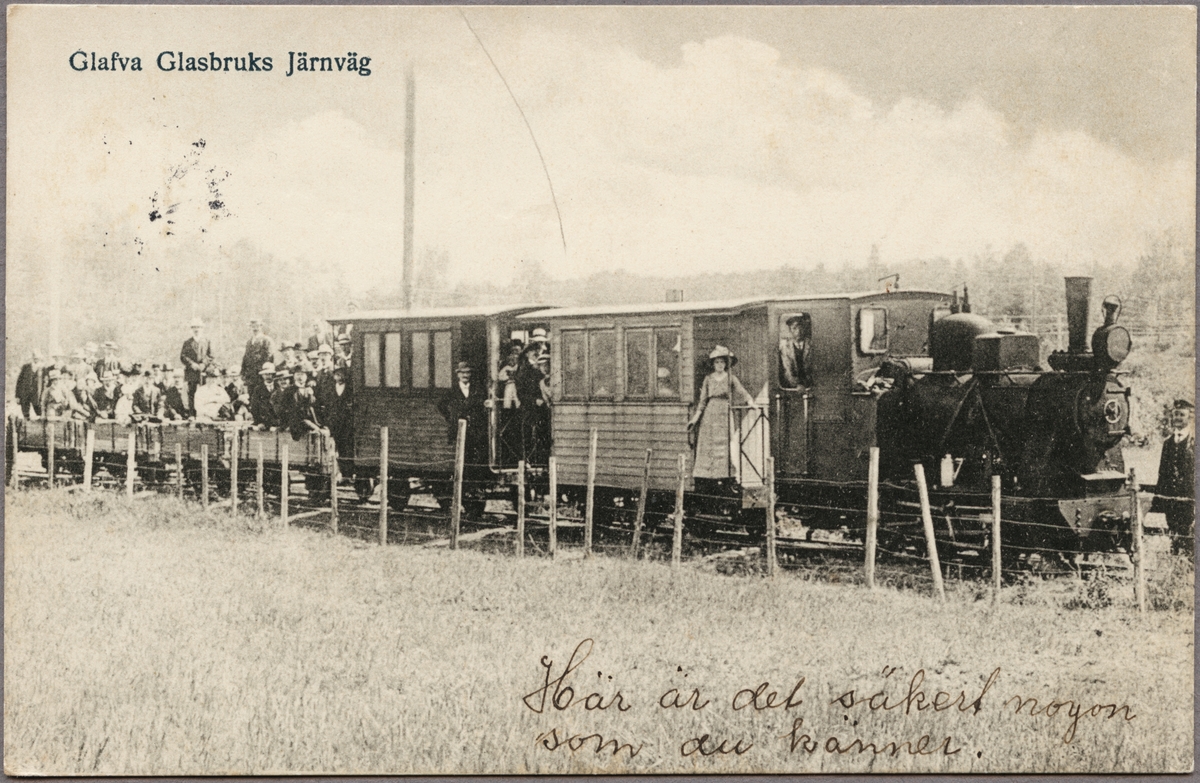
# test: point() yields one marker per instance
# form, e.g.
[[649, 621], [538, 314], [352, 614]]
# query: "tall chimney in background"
[[410, 133]]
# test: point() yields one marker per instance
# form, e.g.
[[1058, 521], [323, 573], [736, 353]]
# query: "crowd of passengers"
[[299, 387]]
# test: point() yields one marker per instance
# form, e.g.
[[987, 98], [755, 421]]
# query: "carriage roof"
[[438, 313], [717, 307]]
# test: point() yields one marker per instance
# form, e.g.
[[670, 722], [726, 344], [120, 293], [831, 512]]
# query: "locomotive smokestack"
[[1079, 296]]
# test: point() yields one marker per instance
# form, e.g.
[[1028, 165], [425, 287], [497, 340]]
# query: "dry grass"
[[160, 640]]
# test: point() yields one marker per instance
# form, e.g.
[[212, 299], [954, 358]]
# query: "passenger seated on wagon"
[[261, 410], [281, 398], [303, 407], [147, 400], [123, 409], [211, 397], [59, 402], [84, 393], [106, 396], [175, 405]]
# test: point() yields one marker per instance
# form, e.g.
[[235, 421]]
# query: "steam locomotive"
[[986, 408]]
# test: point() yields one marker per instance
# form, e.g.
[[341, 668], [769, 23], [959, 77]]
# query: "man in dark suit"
[[338, 417], [1176, 491], [31, 386], [467, 400], [794, 353], [196, 356], [175, 404], [258, 352], [147, 400], [110, 362]]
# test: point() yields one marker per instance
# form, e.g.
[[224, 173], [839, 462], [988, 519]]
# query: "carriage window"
[[667, 350], [872, 330], [391, 359], [371, 359], [441, 360], [637, 362], [573, 366], [602, 362], [420, 360]]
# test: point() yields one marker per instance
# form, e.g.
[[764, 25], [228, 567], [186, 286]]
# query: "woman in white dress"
[[710, 422]]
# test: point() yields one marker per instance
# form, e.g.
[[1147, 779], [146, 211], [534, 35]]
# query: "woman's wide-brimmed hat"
[[721, 352]]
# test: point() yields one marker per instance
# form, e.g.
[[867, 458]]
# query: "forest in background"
[[109, 296]]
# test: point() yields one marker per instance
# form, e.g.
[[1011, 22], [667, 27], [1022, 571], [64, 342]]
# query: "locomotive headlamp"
[[1111, 345]]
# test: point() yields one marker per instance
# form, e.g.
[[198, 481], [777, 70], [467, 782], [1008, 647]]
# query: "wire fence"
[[884, 534]]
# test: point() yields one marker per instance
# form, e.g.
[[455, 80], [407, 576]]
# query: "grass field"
[[148, 637]]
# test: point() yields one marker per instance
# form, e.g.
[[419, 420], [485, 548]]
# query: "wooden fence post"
[[553, 469], [935, 565], [333, 492], [772, 561], [285, 483], [677, 536], [89, 451], [460, 454], [872, 537], [259, 475], [384, 464], [179, 470], [14, 449], [130, 462], [50, 453], [997, 569], [521, 508], [640, 519], [204, 475], [1139, 545], [590, 509], [233, 470]]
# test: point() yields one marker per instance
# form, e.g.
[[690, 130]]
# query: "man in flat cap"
[[1175, 495], [793, 352], [195, 356], [466, 399]]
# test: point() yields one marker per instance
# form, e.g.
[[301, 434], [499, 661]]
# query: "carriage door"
[[793, 400]]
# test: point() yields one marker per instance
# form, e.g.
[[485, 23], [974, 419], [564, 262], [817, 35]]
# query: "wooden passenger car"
[[404, 363], [633, 373]]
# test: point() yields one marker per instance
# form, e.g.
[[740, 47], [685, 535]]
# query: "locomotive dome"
[[952, 340]]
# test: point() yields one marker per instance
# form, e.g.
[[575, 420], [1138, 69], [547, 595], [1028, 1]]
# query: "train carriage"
[[633, 373], [404, 365]]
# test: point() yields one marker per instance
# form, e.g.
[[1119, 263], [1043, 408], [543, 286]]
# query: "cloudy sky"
[[676, 138]]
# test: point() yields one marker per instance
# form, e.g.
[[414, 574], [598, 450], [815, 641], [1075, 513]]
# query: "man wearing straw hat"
[[195, 356]]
